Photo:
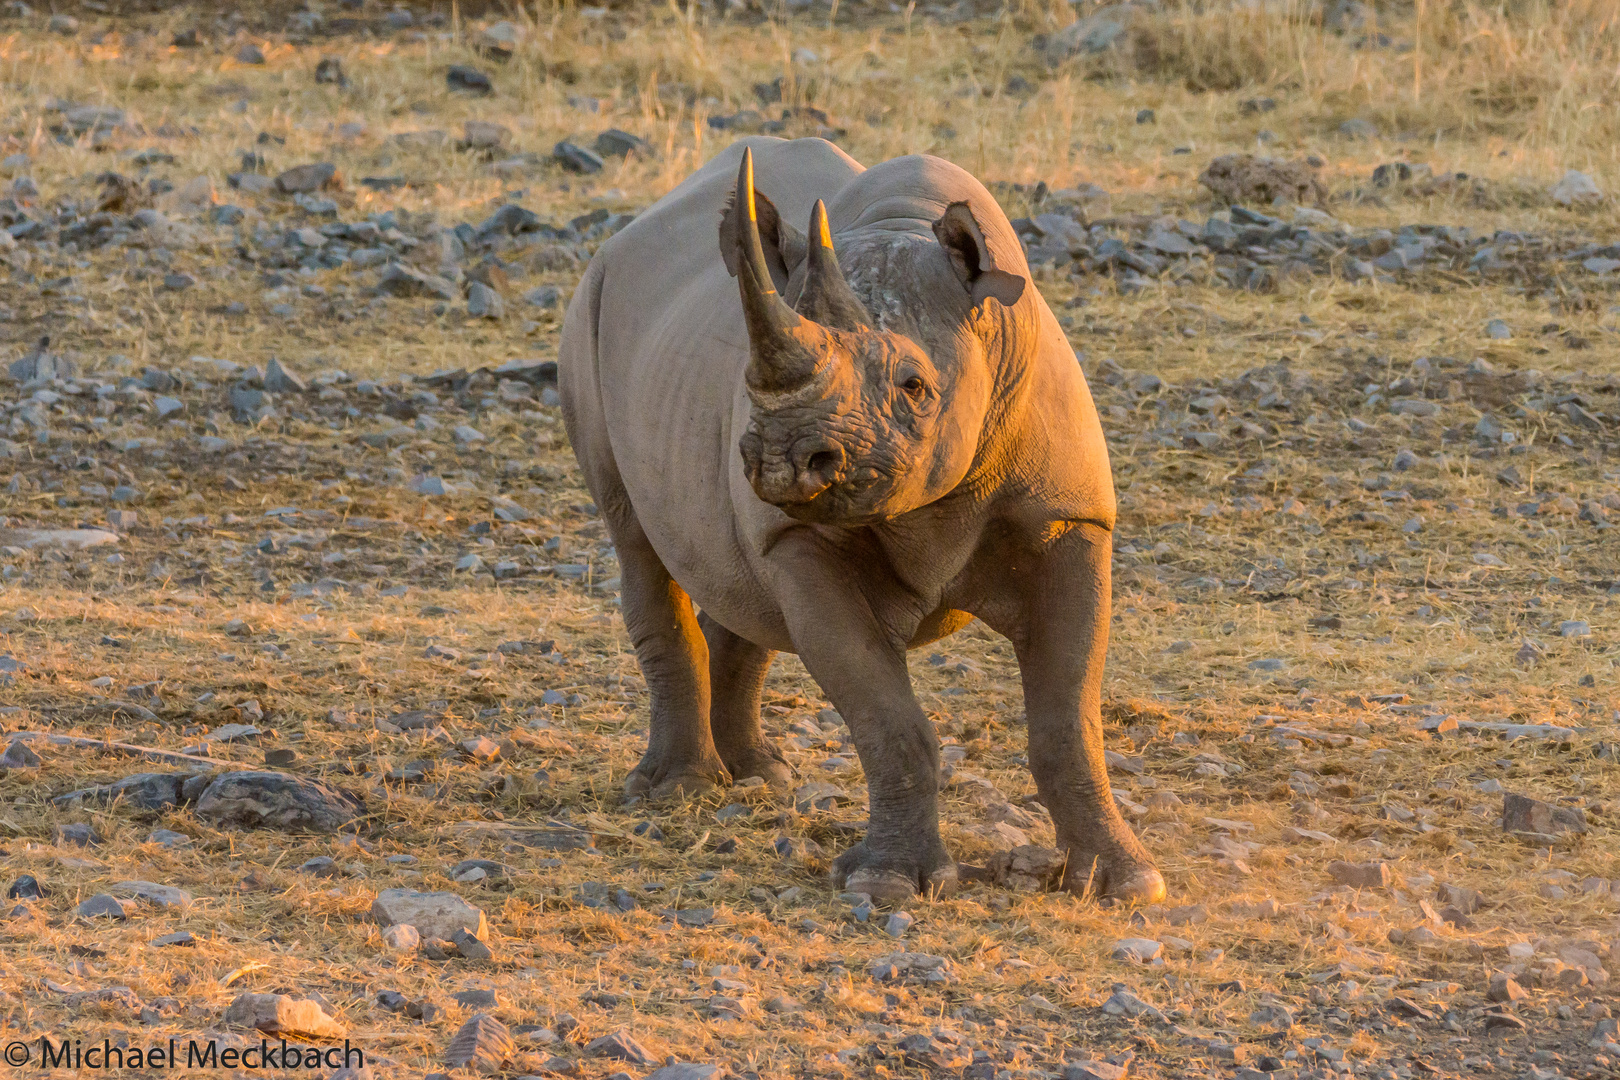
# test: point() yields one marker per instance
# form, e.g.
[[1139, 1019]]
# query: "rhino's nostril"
[[824, 463]]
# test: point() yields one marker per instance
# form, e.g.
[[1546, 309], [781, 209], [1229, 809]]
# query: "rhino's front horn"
[[827, 297], [788, 351]]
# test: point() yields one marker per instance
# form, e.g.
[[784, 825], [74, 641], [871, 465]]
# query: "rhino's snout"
[[796, 477]]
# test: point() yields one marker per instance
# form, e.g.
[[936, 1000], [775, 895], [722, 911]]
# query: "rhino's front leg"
[[862, 668], [1061, 646]]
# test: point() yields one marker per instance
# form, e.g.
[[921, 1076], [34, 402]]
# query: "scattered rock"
[[303, 179], [1137, 950], [1503, 988], [435, 915], [483, 1044], [1093, 1070], [618, 1046], [1245, 178], [330, 72], [484, 302], [1095, 33], [1576, 189], [402, 937], [1522, 814], [576, 159], [1371, 875], [468, 80], [153, 893], [278, 1014], [257, 800], [616, 143], [407, 281], [101, 905]]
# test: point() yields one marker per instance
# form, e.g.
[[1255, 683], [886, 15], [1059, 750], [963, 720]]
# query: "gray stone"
[[1522, 814], [169, 838], [1096, 33], [1125, 1003], [616, 143], [429, 485], [545, 296], [278, 380], [1498, 330], [435, 915], [246, 401], [1357, 128], [257, 799], [402, 938], [1093, 1070], [278, 1014], [250, 54], [1370, 875], [153, 893], [146, 791], [17, 755], [303, 179], [484, 135], [101, 906], [78, 834], [483, 1044], [618, 1046], [1137, 950], [1576, 189], [484, 302], [407, 281], [470, 947], [468, 80], [66, 539], [686, 1070], [576, 158]]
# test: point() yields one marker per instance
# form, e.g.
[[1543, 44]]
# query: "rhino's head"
[[851, 422]]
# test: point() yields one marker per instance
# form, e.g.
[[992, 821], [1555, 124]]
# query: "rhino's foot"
[[761, 760], [892, 877], [1115, 873], [657, 779]]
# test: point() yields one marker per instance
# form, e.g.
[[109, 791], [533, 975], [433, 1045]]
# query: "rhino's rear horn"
[[826, 296], [783, 356]]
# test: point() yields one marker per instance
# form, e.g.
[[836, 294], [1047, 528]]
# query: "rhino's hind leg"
[[674, 660], [737, 669]]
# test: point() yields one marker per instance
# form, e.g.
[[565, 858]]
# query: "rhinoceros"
[[874, 434]]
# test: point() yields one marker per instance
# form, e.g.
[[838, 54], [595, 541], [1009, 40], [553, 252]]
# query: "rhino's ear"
[[783, 244], [959, 234]]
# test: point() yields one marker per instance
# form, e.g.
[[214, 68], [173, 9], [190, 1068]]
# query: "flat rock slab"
[[1522, 814], [257, 800], [154, 893], [483, 1044], [435, 915], [145, 791], [67, 539], [278, 1014]]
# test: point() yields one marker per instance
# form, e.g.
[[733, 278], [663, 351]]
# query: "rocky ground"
[[316, 701]]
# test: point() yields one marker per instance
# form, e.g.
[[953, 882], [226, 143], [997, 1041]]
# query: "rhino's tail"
[[579, 380]]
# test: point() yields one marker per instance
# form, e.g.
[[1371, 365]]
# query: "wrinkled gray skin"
[[846, 456]]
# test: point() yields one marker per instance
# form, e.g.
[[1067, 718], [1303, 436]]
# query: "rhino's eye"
[[914, 385]]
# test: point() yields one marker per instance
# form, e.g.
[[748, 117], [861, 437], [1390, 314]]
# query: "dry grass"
[[1273, 544]]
